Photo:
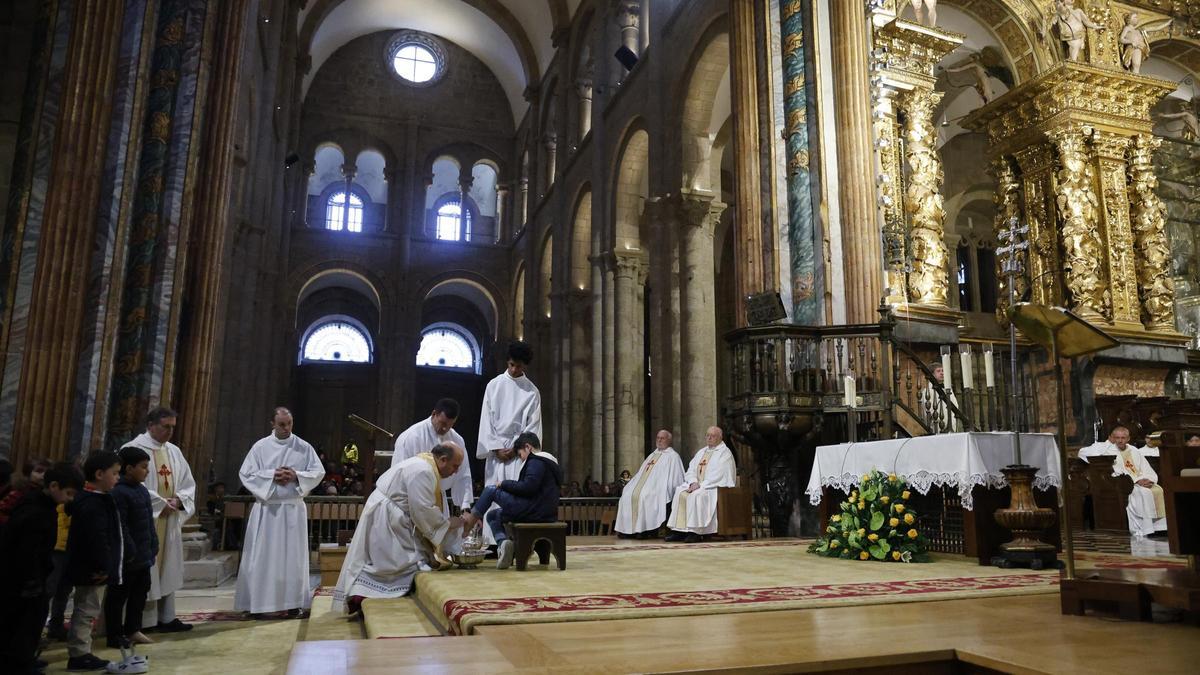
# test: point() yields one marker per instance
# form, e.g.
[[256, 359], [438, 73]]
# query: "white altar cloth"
[[960, 460]]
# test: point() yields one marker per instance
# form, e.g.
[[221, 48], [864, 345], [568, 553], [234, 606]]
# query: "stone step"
[[213, 570]]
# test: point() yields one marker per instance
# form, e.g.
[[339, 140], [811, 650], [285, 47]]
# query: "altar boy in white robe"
[[512, 406], [279, 471], [173, 500], [437, 429], [1147, 507], [643, 505], [405, 528], [694, 508]]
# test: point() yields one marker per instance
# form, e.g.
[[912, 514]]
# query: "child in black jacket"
[[28, 541], [141, 546], [96, 551]]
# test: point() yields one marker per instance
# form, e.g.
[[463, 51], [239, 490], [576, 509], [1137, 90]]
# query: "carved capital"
[[628, 14], [630, 265]]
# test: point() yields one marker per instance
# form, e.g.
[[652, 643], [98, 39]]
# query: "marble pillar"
[[579, 436]]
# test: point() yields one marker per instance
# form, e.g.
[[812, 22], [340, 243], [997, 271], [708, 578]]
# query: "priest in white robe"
[[694, 507], [405, 528], [512, 406], [173, 499], [644, 501], [279, 471], [438, 429], [1147, 507]]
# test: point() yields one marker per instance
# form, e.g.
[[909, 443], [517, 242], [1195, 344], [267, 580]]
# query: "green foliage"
[[890, 533]]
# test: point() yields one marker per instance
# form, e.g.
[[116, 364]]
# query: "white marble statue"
[[925, 11], [1135, 45], [1071, 24]]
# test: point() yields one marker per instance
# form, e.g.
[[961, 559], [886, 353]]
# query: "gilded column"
[[856, 165], [1155, 286], [923, 201], [47, 378], [1078, 216], [1116, 237], [1008, 208], [1037, 181], [206, 279], [753, 272], [630, 371]]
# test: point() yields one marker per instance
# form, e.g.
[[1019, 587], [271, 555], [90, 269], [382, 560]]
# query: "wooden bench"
[[542, 538]]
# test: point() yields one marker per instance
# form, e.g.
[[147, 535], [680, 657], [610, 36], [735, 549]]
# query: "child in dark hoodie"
[[96, 551], [28, 541], [532, 498], [124, 602]]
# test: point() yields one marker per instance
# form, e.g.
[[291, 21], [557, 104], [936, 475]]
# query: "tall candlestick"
[[947, 380], [989, 369], [850, 397], [968, 373]]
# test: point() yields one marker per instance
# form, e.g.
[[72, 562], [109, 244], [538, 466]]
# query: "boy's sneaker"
[[504, 554], [85, 663], [127, 666]]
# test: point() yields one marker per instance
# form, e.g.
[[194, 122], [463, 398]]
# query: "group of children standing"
[[93, 531]]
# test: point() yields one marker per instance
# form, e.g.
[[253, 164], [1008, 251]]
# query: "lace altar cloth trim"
[[923, 481]]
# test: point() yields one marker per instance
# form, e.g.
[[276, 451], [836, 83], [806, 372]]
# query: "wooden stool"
[[543, 538]]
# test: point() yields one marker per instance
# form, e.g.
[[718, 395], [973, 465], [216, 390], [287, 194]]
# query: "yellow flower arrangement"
[[894, 522], [895, 555], [873, 537], [908, 519], [912, 534], [864, 555], [899, 508], [885, 499], [874, 524]]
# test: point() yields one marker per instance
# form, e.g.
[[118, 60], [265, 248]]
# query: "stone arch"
[[630, 187], [474, 289], [705, 106], [580, 266], [1183, 52]]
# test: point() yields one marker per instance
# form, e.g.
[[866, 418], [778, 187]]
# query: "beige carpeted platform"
[[624, 581]]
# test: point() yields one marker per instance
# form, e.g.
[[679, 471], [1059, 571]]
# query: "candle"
[[947, 380], [850, 398], [968, 376], [989, 369]]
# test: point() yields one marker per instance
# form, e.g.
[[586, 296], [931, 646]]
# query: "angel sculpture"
[[923, 9], [1070, 23], [1190, 129], [1135, 45], [983, 65]]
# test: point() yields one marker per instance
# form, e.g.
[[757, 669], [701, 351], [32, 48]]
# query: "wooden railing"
[[588, 516], [327, 516]]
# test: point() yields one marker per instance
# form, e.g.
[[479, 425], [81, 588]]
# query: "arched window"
[[336, 339], [449, 345], [339, 217], [453, 221]]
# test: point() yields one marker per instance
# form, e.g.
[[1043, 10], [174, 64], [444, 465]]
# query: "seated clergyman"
[[645, 497], [531, 498], [694, 508], [1146, 510]]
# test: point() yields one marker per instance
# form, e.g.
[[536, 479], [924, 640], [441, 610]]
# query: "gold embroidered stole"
[[680, 516], [636, 501], [160, 468], [428, 457], [1160, 499]]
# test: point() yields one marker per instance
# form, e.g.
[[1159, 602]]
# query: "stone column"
[[206, 280], [392, 208], [524, 192], [856, 165], [309, 170], [1153, 257], [56, 310], [1008, 207], [551, 143], [923, 201], [599, 363], [579, 437], [628, 17], [644, 25], [502, 230], [583, 87], [698, 214], [753, 247], [629, 278]]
